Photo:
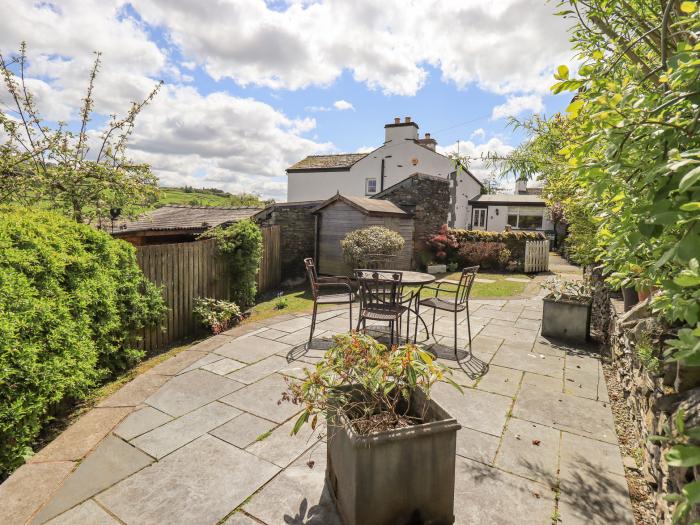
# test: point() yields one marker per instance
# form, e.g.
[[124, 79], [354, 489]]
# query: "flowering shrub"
[[370, 383], [443, 244], [217, 315], [375, 240]]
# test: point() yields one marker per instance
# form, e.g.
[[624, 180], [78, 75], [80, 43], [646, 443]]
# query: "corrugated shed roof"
[[366, 205], [185, 218], [509, 199], [319, 162]]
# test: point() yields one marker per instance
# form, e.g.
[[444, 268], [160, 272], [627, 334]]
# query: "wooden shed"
[[342, 214]]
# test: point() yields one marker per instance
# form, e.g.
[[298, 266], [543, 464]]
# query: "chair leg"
[[455, 342], [313, 325], [391, 330], [415, 331], [350, 305], [469, 330], [432, 328]]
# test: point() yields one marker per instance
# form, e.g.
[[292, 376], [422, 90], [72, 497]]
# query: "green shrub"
[[71, 298], [215, 314], [359, 245], [241, 245]]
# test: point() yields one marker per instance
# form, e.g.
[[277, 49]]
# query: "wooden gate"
[[536, 256], [270, 273]]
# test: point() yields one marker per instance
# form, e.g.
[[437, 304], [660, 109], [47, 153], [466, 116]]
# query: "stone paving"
[[202, 437]]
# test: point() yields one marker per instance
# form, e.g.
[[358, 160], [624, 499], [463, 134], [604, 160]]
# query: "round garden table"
[[419, 279]]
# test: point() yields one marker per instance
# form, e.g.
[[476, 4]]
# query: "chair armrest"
[[447, 281], [437, 289], [333, 278]]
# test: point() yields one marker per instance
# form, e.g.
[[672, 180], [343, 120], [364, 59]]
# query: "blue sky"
[[253, 86]]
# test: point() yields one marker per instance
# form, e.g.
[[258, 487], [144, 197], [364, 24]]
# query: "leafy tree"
[[58, 167], [252, 200]]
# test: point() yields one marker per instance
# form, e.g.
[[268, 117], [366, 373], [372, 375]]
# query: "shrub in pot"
[[567, 310], [391, 448]]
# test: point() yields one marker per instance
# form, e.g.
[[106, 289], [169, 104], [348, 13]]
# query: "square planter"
[[566, 319], [398, 476], [436, 268]]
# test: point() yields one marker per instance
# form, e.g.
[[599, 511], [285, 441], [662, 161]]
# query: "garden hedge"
[[514, 240], [71, 298]]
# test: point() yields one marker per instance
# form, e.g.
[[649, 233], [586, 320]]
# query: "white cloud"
[[343, 105], [475, 152], [514, 106], [383, 44], [236, 144], [478, 134]]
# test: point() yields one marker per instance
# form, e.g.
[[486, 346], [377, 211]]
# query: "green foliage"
[[51, 167], [683, 453], [648, 354], [241, 245], [281, 302], [574, 290], [486, 255], [188, 195], [215, 314], [358, 245], [71, 300], [364, 378]]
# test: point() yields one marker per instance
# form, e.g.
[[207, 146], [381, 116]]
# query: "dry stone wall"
[[654, 392]]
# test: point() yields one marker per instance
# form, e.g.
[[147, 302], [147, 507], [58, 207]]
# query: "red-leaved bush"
[[484, 254], [443, 244]]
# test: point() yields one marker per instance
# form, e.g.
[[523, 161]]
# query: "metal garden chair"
[[380, 299], [318, 284], [458, 303]]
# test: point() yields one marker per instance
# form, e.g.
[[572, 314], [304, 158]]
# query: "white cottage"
[[403, 153]]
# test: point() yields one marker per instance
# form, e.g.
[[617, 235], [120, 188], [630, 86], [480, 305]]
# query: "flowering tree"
[[58, 167]]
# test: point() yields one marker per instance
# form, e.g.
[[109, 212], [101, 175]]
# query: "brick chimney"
[[428, 142]]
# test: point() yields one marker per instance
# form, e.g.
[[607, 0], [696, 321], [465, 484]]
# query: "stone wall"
[[427, 198], [297, 235], [654, 392]]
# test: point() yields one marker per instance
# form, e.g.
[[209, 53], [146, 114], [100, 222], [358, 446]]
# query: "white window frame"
[[515, 210], [367, 181], [479, 213]]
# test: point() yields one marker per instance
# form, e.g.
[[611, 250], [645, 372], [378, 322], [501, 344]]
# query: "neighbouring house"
[[175, 224], [367, 174], [342, 214], [521, 211]]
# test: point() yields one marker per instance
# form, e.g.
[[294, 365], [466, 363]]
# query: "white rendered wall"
[[497, 223]]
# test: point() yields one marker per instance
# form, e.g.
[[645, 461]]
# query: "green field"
[[207, 197]]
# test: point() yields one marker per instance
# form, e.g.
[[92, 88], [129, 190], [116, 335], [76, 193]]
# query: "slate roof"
[[184, 218], [342, 161], [520, 199], [366, 205]]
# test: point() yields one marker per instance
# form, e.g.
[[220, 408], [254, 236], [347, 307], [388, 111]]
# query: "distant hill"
[[188, 196]]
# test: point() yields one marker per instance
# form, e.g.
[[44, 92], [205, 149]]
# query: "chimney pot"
[[397, 120], [427, 135], [407, 120]]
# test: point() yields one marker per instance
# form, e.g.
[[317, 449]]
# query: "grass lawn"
[[299, 299], [178, 196]]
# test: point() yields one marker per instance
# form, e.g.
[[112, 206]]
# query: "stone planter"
[[566, 319], [436, 268], [394, 477], [630, 297]]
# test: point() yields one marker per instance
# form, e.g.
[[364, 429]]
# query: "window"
[[525, 218], [370, 186], [479, 218]]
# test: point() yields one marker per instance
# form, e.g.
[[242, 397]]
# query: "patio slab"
[[178, 432], [140, 422], [112, 461], [519, 357], [261, 399], [136, 391], [281, 448], [200, 483], [85, 513], [251, 349], [481, 411], [488, 495], [192, 390], [530, 450], [223, 366], [243, 430], [251, 374]]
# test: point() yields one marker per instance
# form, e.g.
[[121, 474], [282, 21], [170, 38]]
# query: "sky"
[[251, 87]]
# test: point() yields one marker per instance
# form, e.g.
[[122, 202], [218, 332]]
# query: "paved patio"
[[202, 438]]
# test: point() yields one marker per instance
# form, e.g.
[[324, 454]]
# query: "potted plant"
[[391, 448], [215, 314], [567, 310]]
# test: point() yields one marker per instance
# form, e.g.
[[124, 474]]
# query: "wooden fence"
[[195, 269], [536, 256]]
